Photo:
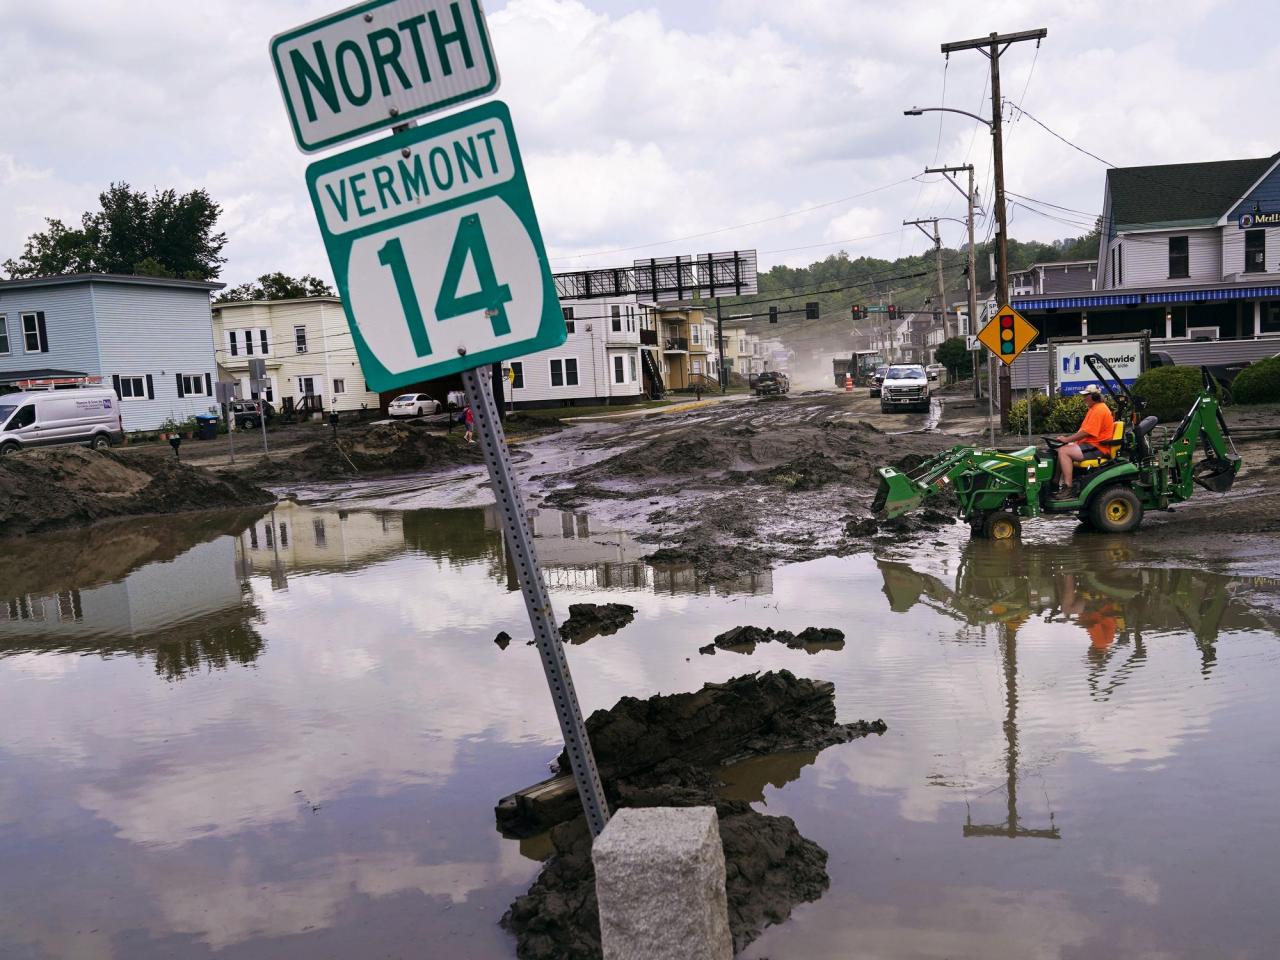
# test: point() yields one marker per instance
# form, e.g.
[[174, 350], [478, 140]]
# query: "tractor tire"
[[1115, 510], [1002, 525]]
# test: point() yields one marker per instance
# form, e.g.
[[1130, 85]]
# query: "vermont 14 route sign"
[[436, 249], [379, 64]]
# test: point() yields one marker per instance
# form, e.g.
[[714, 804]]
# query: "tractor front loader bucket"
[[897, 494]]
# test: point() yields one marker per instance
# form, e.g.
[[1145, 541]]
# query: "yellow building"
[[687, 337]]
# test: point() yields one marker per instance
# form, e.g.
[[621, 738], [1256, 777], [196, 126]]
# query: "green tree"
[[277, 286], [953, 355], [159, 234]]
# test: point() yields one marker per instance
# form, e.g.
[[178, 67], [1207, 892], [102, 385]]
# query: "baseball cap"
[[1092, 388]]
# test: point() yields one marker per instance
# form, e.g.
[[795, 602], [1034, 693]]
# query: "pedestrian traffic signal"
[[773, 314], [811, 310]]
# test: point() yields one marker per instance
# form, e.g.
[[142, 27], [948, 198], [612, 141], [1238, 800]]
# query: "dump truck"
[[1148, 467]]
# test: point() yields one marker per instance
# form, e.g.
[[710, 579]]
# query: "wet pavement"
[[282, 734]]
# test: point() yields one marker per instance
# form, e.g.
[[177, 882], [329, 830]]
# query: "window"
[[35, 339], [300, 338], [1179, 258], [192, 385], [317, 527], [632, 361], [339, 385], [619, 369], [615, 318], [697, 332], [134, 387], [568, 318], [284, 535], [1255, 251], [564, 373], [25, 417], [248, 342], [697, 366], [4, 334], [307, 386], [235, 347], [517, 378], [1120, 261], [262, 335], [631, 319]]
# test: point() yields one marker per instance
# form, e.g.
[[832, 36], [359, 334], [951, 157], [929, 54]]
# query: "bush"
[[1258, 383], [1169, 391], [1051, 416]]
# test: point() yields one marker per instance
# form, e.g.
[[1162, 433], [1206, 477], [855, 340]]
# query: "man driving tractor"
[[1092, 440]]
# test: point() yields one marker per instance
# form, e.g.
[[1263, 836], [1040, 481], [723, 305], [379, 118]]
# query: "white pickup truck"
[[905, 387]]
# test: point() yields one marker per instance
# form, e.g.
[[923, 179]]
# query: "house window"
[[262, 336], [339, 385], [697, 366], [317, 527], [564, 373], [34, 337], [568, 319], [517, 375], [300, 338], [632, 361], [235, 347], [619, 370], [1179, 258], [615, 318], [193, 384], [134, 387], [1255, 251], [4, 334], [1120, 261], [697, 332], [284, 535], [631, 319], [248, 342]]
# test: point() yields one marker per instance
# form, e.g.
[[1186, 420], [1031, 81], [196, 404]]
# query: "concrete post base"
[[660, 885]]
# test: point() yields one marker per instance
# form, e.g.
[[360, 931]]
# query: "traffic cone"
[[848, 383]]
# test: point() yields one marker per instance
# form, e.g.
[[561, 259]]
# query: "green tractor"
[[1149, 469]]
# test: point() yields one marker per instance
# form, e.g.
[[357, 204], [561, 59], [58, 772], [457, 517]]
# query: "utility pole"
[[992, 47], [937, 251], [971, 198]]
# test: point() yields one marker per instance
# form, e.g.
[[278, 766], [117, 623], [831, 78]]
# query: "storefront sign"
[[1072, 374], [1250, 220]]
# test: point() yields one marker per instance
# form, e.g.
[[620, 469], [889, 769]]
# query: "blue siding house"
[[149, 337]]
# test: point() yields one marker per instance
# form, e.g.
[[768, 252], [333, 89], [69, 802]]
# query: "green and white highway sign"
[[436, 249], [379, 64]]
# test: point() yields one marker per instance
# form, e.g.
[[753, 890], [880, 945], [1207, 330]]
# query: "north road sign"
[[380, 64], [436, 249]]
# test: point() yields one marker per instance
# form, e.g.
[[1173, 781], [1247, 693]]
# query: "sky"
[[653, 127]]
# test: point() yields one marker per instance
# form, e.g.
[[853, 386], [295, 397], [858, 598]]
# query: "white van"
[[41, 418]]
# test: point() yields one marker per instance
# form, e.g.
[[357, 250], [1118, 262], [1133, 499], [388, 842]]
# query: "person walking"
[[469, 419]]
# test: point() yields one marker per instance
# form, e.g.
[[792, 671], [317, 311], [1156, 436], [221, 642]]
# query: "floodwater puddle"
[[281, 734]]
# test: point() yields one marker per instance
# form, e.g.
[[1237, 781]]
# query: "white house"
[[306, 343], [600, 361], [149, 337]]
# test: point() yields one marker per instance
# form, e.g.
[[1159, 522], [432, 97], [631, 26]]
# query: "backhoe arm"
[[1204, 426]]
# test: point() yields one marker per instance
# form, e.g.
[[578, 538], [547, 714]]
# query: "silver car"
[[41, 418]]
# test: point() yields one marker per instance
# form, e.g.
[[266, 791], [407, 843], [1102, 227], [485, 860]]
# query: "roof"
[[37, 373], [274, 303], [1063, 263], [122, 278], [1180, 194]]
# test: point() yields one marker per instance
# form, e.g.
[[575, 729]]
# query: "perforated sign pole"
[[546, 634]]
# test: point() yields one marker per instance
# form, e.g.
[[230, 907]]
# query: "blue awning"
[[1135, 299], [1105, 300], [1227, 293]]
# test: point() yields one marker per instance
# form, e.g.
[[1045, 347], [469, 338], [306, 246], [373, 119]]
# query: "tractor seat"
[[1116, 436]]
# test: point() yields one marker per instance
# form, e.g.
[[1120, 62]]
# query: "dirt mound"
[[380, 448], [769, 868], [73, 486], [587, 620], [744, 639]]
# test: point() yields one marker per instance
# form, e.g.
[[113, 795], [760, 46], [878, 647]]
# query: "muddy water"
[[282, 735]]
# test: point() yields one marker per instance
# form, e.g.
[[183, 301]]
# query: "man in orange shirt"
[[1093, 439]]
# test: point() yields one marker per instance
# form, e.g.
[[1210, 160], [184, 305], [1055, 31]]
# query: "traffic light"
[[811, 310], [1006, 335], [893, 312], [858, 312], [773, 314]]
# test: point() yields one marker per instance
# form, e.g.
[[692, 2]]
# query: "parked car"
[[250, 414], [413, 405], [877, 379], [905, 385], [41, 418], [772, 383], [936, 371]]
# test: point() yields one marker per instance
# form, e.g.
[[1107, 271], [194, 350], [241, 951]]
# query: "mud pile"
[[744, 639], [587, 620], [380, 448], [73, 486], [663, 751]]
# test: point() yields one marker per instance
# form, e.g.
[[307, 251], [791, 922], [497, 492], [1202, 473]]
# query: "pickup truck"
[[772, 383], [905, 386]]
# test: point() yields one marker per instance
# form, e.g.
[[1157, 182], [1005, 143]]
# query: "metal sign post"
[[546, 634]]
